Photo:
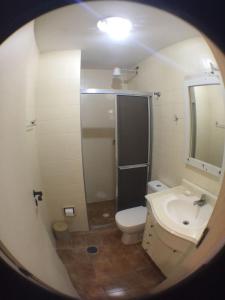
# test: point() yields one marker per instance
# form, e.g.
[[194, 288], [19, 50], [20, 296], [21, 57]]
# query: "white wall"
[[95, 78], [31, 132], [165, 72], [23, 228], [59, 135]]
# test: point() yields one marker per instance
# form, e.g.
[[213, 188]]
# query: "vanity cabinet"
[[163, 248]]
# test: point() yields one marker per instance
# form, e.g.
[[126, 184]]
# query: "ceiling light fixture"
[[116, 27]]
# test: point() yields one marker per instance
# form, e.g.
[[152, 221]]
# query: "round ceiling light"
[[116, 27]]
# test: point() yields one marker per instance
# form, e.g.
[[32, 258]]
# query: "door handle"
[[133, 166]]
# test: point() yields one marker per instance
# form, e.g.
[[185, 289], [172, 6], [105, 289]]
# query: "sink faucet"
[[201, 201]]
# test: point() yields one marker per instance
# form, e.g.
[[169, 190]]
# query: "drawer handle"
[[174, 251], [147, 243], [150, 234], [152, 226]]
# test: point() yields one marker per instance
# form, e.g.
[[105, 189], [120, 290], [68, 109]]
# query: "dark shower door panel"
[[132, 130], [131, 187]]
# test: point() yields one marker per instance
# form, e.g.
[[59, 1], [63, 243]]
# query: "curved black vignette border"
[[209, 17]]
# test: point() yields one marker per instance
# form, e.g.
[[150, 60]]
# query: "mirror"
[[205, 124]]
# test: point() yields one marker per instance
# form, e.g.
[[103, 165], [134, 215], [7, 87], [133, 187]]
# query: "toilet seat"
[[131, 219]]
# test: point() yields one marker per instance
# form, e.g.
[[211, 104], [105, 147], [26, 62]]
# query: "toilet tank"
[[156, 186]]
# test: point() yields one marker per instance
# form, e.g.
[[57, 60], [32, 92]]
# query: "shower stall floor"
[[101, 214]]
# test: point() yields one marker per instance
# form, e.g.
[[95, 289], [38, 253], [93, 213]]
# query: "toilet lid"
[[132, 216]]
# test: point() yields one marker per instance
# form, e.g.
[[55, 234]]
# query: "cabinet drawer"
[[148, 232], [165, 257]]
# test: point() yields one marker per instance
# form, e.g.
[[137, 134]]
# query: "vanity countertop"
[[175, 211]]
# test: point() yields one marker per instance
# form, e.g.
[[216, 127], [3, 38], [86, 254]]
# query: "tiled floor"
[[96, 211], [117, 271]]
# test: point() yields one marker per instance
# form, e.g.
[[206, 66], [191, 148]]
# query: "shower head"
[[116, 72]]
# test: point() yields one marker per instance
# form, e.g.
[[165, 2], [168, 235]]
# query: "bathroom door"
[[132, 150]]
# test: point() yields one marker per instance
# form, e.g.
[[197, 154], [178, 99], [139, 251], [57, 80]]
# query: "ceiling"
[[74, 27]]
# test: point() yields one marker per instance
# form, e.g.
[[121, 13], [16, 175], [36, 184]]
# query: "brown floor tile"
[[137, 260], [94, 239], [150, 277], [118, 293], [79, 241], [97, 209], [95, 292], [116, 271], [64, 244], [125, 282], [137, 293], [66, 255]]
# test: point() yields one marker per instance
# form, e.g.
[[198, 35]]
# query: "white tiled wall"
[[59, 135], [165, 72]]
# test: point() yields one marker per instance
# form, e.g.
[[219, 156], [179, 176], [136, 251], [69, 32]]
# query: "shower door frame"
[[149, 95]]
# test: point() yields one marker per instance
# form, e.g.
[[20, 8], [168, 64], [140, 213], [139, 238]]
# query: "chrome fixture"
[[115, 92], [119, 73], [158, 94], [202, 201], [38, 196]]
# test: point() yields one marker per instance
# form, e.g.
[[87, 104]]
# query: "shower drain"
[[92, 249], [185, 222]]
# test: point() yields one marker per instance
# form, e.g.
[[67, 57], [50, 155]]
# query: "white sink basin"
[[181, 210], [175, 211]]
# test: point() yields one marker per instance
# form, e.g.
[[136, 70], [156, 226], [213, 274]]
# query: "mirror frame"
[[206, 79]]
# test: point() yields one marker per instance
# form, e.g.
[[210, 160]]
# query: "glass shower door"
[[98, 148]]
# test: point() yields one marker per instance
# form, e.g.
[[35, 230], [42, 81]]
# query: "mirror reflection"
[[207, 123]]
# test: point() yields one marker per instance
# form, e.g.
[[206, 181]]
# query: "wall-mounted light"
[[116, 27]]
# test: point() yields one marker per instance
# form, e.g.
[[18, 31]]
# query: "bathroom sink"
[[181, 210], [174, 210]]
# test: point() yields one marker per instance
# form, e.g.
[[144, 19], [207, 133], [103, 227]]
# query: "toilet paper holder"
[[69, 211]]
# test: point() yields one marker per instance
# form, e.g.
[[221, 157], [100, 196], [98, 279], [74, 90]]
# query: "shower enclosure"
[[116, 148]]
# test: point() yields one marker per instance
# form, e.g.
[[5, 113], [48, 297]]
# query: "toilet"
[[131, 221], [156, 186]]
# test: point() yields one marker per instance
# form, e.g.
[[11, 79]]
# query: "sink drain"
[[185, 222]]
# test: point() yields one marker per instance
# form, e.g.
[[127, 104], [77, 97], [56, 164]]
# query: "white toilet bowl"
[[131, 222]]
